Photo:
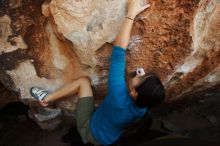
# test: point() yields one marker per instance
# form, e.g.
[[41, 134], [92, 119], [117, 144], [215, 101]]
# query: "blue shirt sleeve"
[[116, 77], [117, 88]]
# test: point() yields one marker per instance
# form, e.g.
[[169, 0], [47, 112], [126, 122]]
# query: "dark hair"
[[150, 93]]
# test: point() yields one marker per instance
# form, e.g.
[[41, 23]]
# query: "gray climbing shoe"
[[38, 93]]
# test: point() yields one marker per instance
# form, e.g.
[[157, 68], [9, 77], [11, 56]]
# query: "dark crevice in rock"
[[11, 60], [4, 4], [6, 80], [7, 95]]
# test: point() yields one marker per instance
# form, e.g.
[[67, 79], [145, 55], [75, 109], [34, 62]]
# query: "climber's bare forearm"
[[134, 8], [123, 37]]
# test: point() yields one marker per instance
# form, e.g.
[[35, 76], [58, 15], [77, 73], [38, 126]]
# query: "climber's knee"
[[85, 88]]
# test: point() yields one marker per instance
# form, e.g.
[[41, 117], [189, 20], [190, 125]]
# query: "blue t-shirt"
[[118, 110]]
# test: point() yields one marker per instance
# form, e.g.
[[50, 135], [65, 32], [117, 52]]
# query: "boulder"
[[51, 43]]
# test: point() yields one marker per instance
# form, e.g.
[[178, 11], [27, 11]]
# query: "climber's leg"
[[81, 86]]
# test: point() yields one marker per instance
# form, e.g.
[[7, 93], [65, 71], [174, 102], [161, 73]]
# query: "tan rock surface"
[[88, 24]]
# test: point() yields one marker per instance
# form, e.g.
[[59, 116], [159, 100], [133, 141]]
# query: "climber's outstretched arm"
[[134, 8]]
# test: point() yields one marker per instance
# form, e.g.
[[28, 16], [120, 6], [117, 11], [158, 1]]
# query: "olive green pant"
[[84, 110]]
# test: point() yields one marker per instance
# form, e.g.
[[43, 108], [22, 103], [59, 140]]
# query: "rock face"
[[88, 24], [51, 43], [201, 68]]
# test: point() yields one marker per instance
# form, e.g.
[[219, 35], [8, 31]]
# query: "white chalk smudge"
[[134, 41]]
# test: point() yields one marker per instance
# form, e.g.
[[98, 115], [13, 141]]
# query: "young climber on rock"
[[123, 104]]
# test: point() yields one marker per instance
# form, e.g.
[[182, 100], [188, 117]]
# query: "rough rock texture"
[[201, 69], [88, 24], [51, 43]]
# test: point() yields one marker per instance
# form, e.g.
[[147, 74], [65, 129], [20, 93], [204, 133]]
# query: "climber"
[[123, 104]]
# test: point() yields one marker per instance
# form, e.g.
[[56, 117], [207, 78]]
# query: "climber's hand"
[[136, 6], [44, 104]]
